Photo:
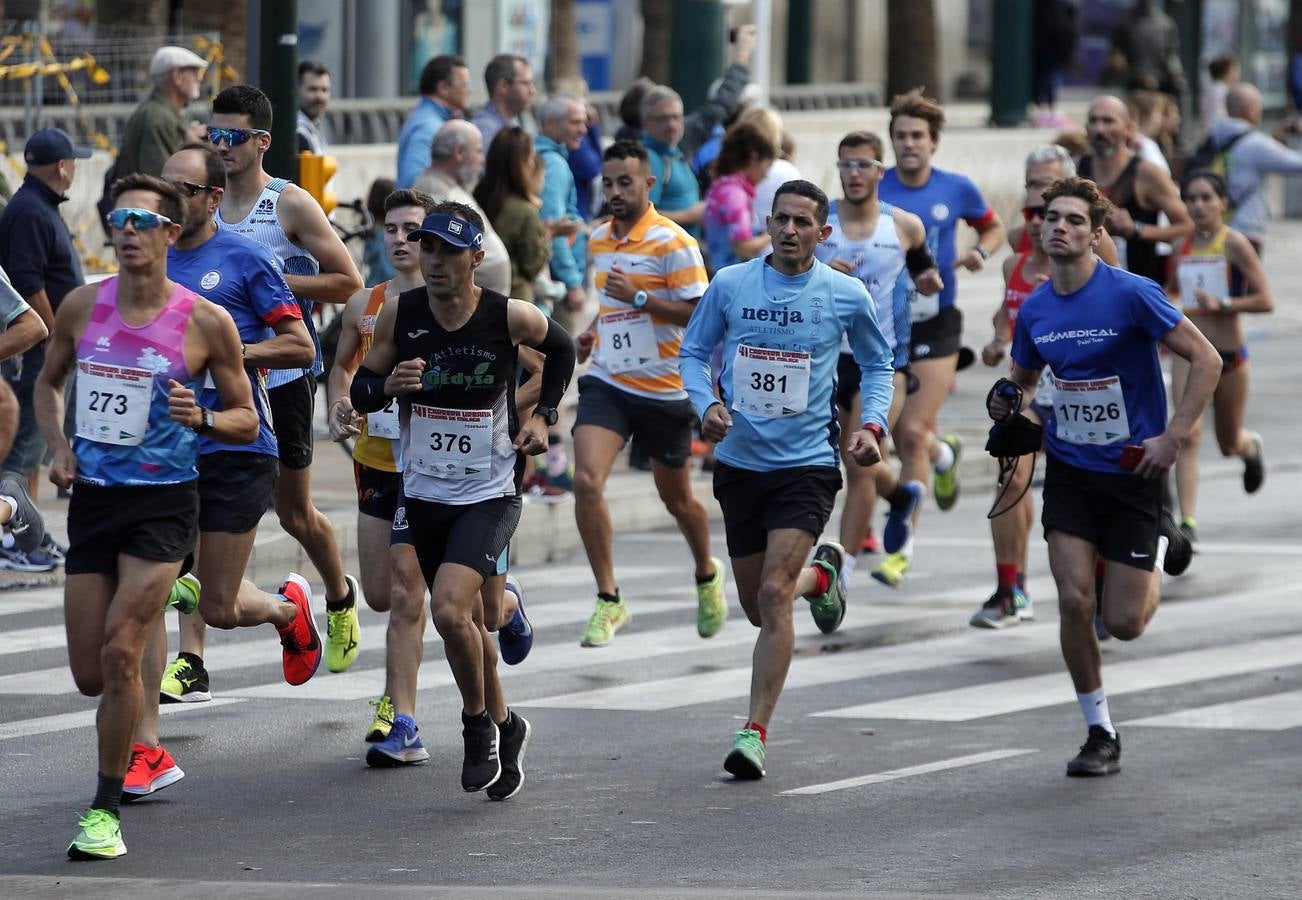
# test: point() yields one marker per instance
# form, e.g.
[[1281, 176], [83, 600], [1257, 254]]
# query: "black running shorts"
[[662, 429], [235, 490], [377, 491], [755, 503], [1117, 513], [158, 522], [475, 535], [292, 406], [937, 337]]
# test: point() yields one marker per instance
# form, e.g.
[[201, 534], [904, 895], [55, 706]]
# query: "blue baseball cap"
[[49, 145], [451, 230]]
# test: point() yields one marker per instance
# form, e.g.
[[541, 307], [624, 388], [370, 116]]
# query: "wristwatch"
[[982, 251], [205, 421], [548, 413], [639, 299], [877, 431], [1227, 304]]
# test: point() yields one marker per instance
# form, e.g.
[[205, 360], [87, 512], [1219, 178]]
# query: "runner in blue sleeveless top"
[[779, 320], [1108, 445]]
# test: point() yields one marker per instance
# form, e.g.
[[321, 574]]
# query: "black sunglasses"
[[191, 189]]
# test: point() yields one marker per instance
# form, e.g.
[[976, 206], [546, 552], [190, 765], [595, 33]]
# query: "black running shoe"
[[1099, 755], [481, 767], [1179, 552], [1254, 468], [515, 733]]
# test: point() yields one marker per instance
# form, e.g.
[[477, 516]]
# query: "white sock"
[[848, 568], [1094, 706], [945, 461], [907, 550], [13, 506], [1162, 543]]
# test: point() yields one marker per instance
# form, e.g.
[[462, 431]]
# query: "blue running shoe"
[[515, 638], [402, 747], [899, 521]]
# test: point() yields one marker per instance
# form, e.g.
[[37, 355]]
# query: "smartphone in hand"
[[1131, 455]]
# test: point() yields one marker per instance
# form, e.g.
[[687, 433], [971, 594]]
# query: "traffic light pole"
[[1010, 62], [278, 79]]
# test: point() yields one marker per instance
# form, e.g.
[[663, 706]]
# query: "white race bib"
[[1202, 273], [384, 424], [770, 384], [113, 403], [452, 443], [922, 307], [628, 340], [1090, 412]]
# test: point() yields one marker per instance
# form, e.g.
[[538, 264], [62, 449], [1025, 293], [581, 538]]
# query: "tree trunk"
[[911, 47], [656, 16], [565, 46]]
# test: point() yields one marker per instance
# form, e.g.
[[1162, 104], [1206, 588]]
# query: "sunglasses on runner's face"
[[190, 189], [140, 218], [232, 136], [1031, 212], [857, 165]]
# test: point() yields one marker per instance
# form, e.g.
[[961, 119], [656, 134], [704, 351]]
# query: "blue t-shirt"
[[779, 333], [940, 203], [1101, 343], [242, 277], [676, 186]]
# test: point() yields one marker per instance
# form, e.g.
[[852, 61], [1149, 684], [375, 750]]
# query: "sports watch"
[[548, 413], [639, 299], [205, 421]]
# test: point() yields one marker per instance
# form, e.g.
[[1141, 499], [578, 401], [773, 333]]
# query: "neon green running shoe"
[[746, 761], [606, 619], [829, 609], [383, 723], [100, 837], [892, 570], [184, 596], [343, 632], [184, 683], [711, 605], [946, 485]]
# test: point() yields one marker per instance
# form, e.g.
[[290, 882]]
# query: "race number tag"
[[1090, 412], [384, 424], [113, 403], [1202, 273], [452, 443], [628, 340], [770, 384], [922, 307]]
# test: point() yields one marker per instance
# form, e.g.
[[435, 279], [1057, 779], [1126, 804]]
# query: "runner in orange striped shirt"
[[649, 275]]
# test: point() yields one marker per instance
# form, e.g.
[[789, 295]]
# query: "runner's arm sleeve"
[[557, 348], [704, 333], [918, 260], [367, 391], [871, 350]]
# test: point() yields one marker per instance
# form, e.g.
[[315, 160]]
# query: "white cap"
[[169, 58]]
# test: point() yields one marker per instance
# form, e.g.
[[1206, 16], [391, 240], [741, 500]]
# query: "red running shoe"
[[870, 543], [301, 641], [151, 769]]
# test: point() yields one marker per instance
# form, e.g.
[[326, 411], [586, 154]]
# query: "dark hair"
[[501, 68], [741, 144], [1219, 66], [213, 167], [862, 139], [379, 191], [504, 172], [630, 105], [809, 190], [169, 198], [916, 105], [409, 197], [244, 100], [625, 150], [311, 67], [1213, 178], [458, 211], [1081, 189], [438, 70]]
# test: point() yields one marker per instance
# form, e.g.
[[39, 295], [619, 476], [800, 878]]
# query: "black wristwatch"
[[549, 414], [206, 421]]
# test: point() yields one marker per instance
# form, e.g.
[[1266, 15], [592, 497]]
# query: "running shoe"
[[1189, 526], [26, 524], [746, 761], [870, 543], [899, 521], [343, 632], [301, 656], [1179, 552], [100, 837], [1022, 600], [383, 722], [481, 766], [184, 595], [828, 609], [151, 769], [183, 682], [537, 488], [1254, 467], [515, 638], [15, 560], [1099, 755], [401, 747], [946, 485], [562, 482], [711, 605], [606, 619], [514, 736], [892, 570], [999, 611]]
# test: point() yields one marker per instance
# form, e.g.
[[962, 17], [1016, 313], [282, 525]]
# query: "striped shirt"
[[372, 452], [635, 351]]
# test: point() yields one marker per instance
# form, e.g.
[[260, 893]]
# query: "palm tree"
[[911, 47], [565, 47]]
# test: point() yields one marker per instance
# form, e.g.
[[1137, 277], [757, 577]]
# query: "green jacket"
[[153, 133], [520, 228]]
